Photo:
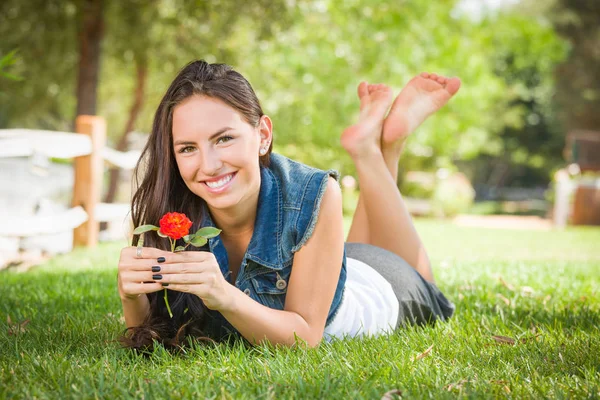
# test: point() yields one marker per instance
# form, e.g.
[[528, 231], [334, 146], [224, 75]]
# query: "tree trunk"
[[138, 101], [91, 32]]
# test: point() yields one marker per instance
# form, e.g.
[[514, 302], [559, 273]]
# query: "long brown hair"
[[163, 190]]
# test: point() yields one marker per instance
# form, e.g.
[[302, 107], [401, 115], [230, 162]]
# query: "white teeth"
[[220, 182]]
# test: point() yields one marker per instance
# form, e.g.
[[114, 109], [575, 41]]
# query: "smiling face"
[[217, 151]]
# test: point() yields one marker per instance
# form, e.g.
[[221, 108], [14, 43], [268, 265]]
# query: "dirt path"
[[504, 222]]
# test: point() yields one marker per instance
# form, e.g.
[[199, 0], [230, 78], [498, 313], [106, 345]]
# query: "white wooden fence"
[[88, 149]]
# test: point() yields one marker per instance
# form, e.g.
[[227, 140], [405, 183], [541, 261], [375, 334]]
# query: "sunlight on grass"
[[536, 290]]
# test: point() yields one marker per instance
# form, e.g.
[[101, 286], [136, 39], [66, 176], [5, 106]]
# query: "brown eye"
[[222, 139], [186, 149]]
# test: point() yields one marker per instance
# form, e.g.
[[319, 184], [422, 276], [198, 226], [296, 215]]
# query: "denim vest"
[[288, 207]]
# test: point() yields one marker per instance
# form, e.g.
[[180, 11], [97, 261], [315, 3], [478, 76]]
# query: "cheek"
[[185, 169]]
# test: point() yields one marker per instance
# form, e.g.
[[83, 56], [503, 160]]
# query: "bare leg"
[[381, 216], [422, 96], [359, 229]]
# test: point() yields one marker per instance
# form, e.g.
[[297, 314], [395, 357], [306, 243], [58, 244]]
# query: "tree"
[[45, 34], [304, 66], [154, 37], [578, 78], [90, 18], [531, 140]]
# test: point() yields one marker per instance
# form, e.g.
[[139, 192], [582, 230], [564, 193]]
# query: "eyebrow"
[[213, 136]]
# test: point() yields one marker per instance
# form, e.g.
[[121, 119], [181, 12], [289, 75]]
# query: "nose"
[[210, 162]]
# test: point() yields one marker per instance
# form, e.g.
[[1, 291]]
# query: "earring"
[[263, 151]]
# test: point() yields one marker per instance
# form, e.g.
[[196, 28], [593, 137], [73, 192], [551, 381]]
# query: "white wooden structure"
[[88, 149]]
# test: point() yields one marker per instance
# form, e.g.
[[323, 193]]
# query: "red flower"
[[175, 225]]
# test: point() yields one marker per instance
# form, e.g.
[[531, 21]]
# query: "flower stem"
[[172, 241], [167, 303]]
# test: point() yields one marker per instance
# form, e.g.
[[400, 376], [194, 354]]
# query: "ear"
[[265, 129]]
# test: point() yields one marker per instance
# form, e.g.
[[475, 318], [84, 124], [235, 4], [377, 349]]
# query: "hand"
[[196, 272], [134, 271]]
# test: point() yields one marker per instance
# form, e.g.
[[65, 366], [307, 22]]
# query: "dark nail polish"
[[160, 259], [165, 284], [157, 277], [156, 268]]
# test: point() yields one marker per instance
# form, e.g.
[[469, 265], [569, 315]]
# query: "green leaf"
[[198, 241], [186, 238], [140, 242], [8, 59], [208, 232], [179, 248], [144, 228], [161, 234], [11, 76]]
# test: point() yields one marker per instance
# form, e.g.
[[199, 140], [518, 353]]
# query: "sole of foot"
[[422, 96], [364, 137]]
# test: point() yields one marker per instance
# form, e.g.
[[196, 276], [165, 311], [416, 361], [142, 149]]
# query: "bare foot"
[[365, 136], [421, 97]]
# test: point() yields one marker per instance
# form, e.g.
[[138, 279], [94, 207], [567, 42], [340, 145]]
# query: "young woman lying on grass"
[[280, 268]]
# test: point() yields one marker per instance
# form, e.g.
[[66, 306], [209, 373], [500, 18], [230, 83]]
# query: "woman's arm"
[[311, 287], [135, 310]]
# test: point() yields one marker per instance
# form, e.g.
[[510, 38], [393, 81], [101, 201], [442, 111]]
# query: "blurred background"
[[526, 118]]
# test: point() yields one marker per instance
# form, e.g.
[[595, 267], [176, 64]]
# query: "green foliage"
[[145, 228], [309, 75], [578, 77], [5, 62], [529, 145], [539, 288], [304, 59], [208, 232], [45, 33]]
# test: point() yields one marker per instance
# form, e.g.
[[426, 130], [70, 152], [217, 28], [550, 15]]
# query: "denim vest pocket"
[[270, 286]]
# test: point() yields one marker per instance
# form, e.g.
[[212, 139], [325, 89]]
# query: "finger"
[[137, 276], [132, 288], [146, 253], [188, 279], [187, 256], [185, 268], [134, 264]]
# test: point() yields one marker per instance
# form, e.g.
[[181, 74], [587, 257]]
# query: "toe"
[[452, 85], [363, 89], [424, 74], [433, 76]]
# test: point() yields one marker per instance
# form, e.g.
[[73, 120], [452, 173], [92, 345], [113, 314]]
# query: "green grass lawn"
[[540, 290]]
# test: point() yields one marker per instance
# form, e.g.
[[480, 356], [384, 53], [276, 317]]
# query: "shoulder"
[[330, 208], [300, 184], [305, 191]]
